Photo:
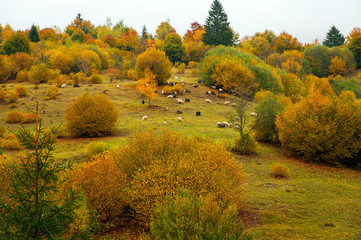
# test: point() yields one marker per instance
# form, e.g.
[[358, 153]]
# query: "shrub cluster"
[[95, 148], [91, 116], [244, 144], [279, 170], [18, 117]]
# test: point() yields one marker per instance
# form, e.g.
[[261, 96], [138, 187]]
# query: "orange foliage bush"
[[30, 117], [14, 117], [322, 128], [103, 184], [22, 91], [91, 116], [22, 76], [51, 93], [159, 165]]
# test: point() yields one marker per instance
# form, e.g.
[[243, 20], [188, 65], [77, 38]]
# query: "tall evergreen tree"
[[33, 208], [333, 38], [34, 34], [217, 30], [145, 34]]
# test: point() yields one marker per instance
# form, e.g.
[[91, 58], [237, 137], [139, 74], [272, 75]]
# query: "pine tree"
[[32, 207], [217, 30], [333, 38], [34, 34]]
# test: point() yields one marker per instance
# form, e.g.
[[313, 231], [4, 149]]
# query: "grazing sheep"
[[208, 100], [233, 104], [226, 103], [226, 124], [221, 125], [177, 78], [76, 85], [118, 86], [198, 114], [213, 93], [179, 119], [143, 101], [170, 96], [166, 109], [63, 85], [187, 100], [180, 101], [186, 90], [179, 111], [220, 91], [162, 92], [183, 84], [253, 114], [213, 87], [165, 122], [144, 118], [199, 81], [182, 80], [195, 85]]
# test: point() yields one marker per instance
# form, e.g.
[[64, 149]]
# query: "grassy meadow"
[[315, 202]]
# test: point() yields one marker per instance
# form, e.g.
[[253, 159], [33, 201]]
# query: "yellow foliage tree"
[[60, 60], [147, 86], [231, 73], [337, 66], [155, 61]]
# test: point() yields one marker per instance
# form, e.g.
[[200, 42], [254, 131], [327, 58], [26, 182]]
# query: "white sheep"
[[180, 101], [176, 77], [144, 118], [226, 103], [63, 85], [118, 86], [166, 109], [179, 119], [213, 87], [169, 96], [165, 122], [253, 114], [208, 100], [233, 104], [162, 92], [226, 123]]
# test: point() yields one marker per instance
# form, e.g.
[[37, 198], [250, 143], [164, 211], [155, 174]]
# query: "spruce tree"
[[333, 38], [33, 34], [217, 30], [32, 207]]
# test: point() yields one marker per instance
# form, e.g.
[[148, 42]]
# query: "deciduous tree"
[[147, 86], [163, 30], [173, 47]]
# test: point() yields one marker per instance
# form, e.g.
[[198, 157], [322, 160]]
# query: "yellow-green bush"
[[96, 147], [194, 72], [22, 91], [51, 93], [12, 96], [192, 64], [95, 79], [279, 170], [181, 68], [10, 144], [244, 144], [159, 165], [196, 218], [103, 184], [39, 73], [91, 116], [177, 89], [14, 117], [2, 130]]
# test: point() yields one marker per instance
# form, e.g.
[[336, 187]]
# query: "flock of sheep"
[[198, 113]]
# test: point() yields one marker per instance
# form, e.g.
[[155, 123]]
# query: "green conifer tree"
[[34, 34], [217, 30], [333, 38], [32, 207], [173, 47]]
